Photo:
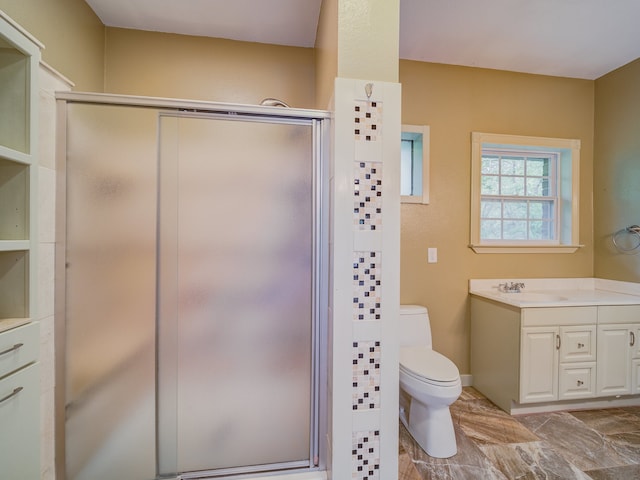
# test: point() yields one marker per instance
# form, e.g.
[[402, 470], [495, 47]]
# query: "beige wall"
[[617, 170], [326, 50], [181, 66], [455, 101], [72, 34]]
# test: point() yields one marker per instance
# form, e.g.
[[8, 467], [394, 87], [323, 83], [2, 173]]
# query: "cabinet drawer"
[[577, 380], [619, 314], [20, 420], [19, 346], [578, 344], [532, 317]]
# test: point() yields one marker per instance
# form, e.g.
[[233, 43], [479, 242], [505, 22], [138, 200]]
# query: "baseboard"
[[467, 380]]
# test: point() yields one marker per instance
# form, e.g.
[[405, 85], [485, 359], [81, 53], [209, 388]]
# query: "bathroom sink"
[[535, 297]]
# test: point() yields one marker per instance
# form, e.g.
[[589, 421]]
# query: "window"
[[414, 164], [524, 194]]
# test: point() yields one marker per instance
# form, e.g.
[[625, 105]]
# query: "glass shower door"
[[236, 294]]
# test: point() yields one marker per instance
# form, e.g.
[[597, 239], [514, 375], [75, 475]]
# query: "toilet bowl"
[[429, 383]]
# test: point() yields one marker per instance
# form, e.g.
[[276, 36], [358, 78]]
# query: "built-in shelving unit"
[[19, 60], [19, 335]]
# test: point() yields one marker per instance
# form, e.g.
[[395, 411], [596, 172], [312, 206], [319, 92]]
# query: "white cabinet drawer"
[[533, 317], [578, 344], [577, 380], [618, 314], [20, 420], [19, 346]]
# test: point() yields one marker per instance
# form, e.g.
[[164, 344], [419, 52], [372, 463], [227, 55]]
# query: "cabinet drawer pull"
[[558, 342], [9, 350], [580, 383], [632, 341], [16, 391], [580, 345]]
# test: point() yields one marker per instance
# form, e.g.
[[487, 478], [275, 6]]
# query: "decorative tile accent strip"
[[366, 285], [365, 455], [367, 205], [366, 375], [367, 121]]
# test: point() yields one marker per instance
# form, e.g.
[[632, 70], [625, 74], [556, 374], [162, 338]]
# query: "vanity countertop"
[[559, 292]]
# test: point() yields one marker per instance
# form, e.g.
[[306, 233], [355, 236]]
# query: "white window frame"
[[423, 131], [567, 192]]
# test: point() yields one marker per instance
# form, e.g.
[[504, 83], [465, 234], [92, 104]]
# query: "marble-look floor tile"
[[609, 421], [531, 460], [468, 464], [628, 472], [584, 447], [483, 422], [406, 468], [470, 393]]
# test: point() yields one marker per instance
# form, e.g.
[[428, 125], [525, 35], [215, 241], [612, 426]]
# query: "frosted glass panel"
[[110, 324], [236, 269]]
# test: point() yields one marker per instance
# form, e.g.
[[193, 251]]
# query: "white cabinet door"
[[539, 364], [614, 360]]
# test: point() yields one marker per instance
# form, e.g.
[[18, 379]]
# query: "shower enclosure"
[[195, 288]]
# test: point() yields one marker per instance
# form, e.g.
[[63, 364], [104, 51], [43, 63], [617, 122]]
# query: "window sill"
[[525, 248]]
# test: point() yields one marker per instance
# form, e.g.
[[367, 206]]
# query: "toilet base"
[[431, 428]]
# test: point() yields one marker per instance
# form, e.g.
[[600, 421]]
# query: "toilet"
[[429, 383]]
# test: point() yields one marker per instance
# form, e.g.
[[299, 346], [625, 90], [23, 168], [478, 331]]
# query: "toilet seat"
[[428, 366]]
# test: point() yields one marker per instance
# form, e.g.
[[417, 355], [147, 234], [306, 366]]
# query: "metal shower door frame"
[[167, 428]]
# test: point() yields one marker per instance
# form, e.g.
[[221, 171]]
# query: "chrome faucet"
[[512, 287]]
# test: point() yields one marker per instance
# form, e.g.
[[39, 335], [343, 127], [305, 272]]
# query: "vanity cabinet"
[[558, 354], [557, 363], [526, 357], [618, 350]]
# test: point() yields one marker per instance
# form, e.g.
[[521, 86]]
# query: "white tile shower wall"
[[50, 81], [365, 302]]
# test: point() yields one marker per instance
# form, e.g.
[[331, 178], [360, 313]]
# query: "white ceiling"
[[569, 38]]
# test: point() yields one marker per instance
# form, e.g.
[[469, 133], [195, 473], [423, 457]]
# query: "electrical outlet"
[[432, 255]]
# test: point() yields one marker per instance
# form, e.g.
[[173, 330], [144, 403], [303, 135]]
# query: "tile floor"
[[492, 445]]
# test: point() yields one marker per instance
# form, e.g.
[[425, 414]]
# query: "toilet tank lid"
[[412, 309]]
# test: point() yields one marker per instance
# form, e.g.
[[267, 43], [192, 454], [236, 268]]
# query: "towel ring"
[[631, 230]]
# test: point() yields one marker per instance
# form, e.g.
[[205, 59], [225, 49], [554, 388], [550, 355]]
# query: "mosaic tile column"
[[367, 140]]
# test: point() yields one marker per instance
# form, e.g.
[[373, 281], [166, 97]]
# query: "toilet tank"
[[415, 328]]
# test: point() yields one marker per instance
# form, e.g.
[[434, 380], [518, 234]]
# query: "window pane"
[[537, 187], [512, 185], [538, 166], [512, 166], [490, 165], [490, 229], [540, 230], [515, 210], [515, 230], [491, 208], [490, 185], [406, 167], [541, 210]]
